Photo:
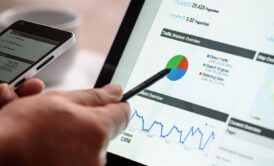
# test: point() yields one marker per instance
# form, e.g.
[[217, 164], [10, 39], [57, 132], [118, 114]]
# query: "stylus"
[[145, 84]]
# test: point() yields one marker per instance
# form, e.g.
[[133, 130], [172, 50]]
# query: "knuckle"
[[52, 93], [4, 87], [54, 98], [97, 96]]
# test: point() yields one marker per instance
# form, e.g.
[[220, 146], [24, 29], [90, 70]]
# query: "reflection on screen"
[[19, 51], [216, 107]]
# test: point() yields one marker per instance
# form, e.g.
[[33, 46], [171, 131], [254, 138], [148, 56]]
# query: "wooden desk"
[[101, 19]]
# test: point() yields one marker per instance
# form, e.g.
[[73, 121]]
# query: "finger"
[[31, 87], [6, 94], [95, 97], [117, 116]]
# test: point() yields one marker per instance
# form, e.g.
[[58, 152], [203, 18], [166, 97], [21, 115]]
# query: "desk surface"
[[83, 73], [100, 17]]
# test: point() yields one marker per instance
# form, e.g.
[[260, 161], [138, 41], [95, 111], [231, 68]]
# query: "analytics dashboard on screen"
[[216, 106]]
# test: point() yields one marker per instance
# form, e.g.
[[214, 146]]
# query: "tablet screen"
[[216, 106]]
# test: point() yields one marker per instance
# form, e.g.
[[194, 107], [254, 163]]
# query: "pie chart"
[[178, 65]]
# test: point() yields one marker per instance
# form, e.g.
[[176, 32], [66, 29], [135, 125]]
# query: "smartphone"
[[26, 48]]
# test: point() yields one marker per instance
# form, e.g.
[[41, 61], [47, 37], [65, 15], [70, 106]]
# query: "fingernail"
[[113, 89]]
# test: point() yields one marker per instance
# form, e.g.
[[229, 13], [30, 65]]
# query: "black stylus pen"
[[145, 84]]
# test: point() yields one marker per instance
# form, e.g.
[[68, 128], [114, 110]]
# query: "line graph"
[[182, 137]]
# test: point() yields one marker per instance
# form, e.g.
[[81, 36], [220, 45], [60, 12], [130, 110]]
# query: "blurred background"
[[78, 67], [101, 19]]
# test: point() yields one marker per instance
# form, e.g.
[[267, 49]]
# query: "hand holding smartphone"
[[26, 48]]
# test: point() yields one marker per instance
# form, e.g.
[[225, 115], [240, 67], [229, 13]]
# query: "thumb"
[[6, 94]]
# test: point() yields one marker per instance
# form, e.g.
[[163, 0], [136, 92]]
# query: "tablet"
[[216, 106]]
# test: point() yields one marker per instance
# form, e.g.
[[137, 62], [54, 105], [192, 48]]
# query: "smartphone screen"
[[19, 51]]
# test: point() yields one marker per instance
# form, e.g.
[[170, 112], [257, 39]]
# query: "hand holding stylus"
[[61, 128], [76, 125], [145, 84]]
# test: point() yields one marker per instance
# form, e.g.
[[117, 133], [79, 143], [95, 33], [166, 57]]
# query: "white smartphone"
[[26, 48]]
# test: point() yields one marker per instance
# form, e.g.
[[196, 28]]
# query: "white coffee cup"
[[59, 17]]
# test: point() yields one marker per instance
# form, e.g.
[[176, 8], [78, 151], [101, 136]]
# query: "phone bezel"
[[42, 31]]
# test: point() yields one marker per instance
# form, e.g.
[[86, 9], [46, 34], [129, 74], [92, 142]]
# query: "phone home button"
[[44, 63]]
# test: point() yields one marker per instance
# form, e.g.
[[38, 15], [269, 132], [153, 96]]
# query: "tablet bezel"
[[113, 59], [119, 43]]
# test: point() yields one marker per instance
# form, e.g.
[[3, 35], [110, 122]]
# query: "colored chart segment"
[[178, 65]]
